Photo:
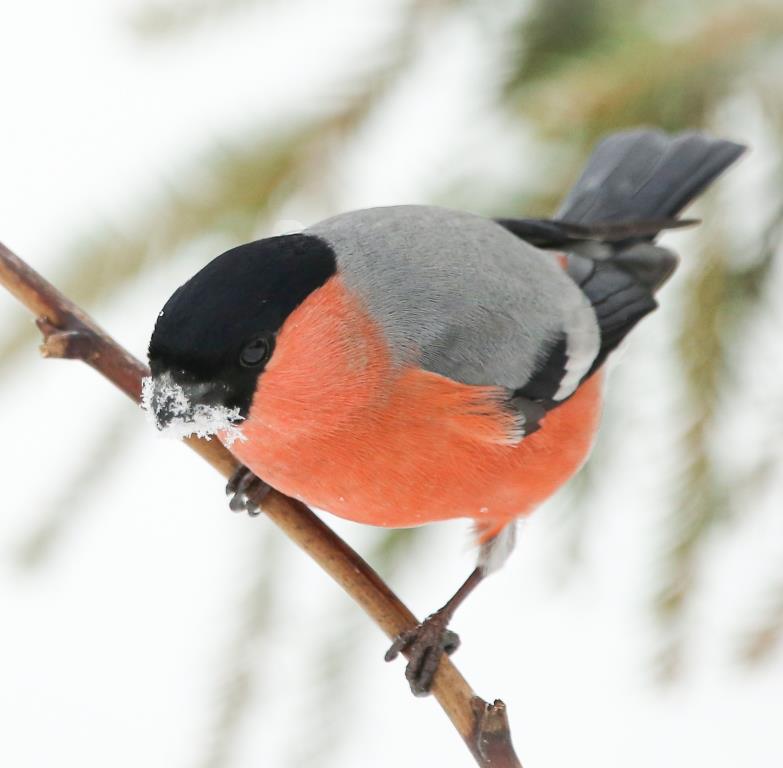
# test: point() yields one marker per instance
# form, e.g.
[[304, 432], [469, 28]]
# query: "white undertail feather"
[[583, 341], [494, 553]]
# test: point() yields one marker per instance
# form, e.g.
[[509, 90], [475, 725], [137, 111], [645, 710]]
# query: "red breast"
[[335, 423]]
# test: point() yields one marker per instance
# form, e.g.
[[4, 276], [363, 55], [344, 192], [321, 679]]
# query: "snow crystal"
[[188, 419]]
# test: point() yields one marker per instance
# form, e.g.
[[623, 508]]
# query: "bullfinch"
[[402, 365]]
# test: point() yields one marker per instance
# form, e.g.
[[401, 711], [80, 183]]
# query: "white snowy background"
[[111, 653]]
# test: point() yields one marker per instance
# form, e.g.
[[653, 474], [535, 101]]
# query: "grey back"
[[456, 293]]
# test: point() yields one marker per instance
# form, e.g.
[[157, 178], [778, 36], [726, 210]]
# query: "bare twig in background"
[[70, 333]]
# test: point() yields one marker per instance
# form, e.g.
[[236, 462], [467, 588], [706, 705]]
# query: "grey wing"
[[462, 297]]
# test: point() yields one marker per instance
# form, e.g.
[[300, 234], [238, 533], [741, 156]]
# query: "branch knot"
[[66, 343]]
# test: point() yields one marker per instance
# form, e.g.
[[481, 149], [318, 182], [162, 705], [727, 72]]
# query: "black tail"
[[646, 175], [634, 176], [634, 186]]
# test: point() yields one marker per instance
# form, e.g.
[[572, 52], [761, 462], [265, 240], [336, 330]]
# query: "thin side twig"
[[70, 333]]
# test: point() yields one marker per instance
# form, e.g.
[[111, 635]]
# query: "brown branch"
[[70, 333], [492, 736]]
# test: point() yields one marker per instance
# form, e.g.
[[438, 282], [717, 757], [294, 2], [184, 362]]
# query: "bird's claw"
[[246, 491], [424, 645]]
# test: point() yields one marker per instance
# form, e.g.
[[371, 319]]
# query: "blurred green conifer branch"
[[569, 73]]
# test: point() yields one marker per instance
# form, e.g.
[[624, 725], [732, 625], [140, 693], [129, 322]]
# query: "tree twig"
[[70, 333]]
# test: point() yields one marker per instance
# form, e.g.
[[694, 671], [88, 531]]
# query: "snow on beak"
[[190, 408]]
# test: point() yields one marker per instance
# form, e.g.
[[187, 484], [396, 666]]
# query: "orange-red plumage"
[[346, 355], [335, 422]]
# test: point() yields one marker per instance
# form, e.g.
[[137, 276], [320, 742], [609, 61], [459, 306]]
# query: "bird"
[[402, 365]]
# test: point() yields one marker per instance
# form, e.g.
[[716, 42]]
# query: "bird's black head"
[[216, 333]]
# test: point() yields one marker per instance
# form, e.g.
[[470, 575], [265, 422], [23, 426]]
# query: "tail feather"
[[646, 174], [638, 175], [633, 187]]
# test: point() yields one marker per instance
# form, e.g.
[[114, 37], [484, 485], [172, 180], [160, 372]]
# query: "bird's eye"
[[256, 352]]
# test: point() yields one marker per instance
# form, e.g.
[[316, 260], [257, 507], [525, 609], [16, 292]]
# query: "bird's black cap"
[[243, 294]]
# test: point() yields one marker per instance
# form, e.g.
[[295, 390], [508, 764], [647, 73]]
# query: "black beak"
[[164, 413], [170, 399]]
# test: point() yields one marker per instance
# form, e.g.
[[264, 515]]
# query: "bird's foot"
[[424, 646], [246, 491]]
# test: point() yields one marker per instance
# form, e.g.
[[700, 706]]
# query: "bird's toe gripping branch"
[[247, 492], [425, 644], [69, 333]]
